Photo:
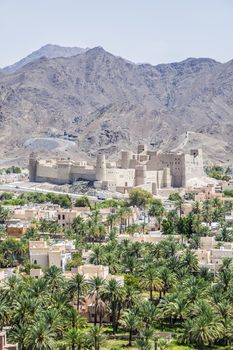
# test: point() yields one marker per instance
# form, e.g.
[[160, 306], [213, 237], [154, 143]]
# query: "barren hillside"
[[103, 102]]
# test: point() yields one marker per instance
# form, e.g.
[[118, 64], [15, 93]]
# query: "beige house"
[[6, 273], [89, 271], [46, 256], [207, 243], [36, 273], [37, 213], [212, 257], [152, 237], [3, 343], [17, 229], [65, 217], [205, 192]]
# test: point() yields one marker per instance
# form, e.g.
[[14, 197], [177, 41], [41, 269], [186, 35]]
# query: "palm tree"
[[147, 314], [73, 319], [96, 257], [196, 208], [151, 280], [54, 278], [174, 307], [101, 310], [123, 215], [79, 226], [18, 334], [178, 205], [96, 337], [189, 260], [4, 214], [162, 344], [4, 314], [110, 260], [113, 292], [168, 279], [225, 279], [132, 295], [95, 287], [112, 219], [130, 322], [207, 211], [157, 211], [76, 338], [143, 344], [76, 287], [202, 330], [40, 337]]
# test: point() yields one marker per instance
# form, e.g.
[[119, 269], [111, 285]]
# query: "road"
[[32, 187]]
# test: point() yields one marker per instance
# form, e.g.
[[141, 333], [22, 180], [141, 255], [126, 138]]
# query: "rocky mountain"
[[47, 51], [105, 103]]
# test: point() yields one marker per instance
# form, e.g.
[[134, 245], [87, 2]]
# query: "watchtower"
[[32, 167], [100, 171]]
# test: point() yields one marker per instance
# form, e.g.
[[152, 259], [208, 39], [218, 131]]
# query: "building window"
[[35, 262], [63, 217], [59, 217]]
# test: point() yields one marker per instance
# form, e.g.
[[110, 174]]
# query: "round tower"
[[167, 177], [32, 167], [100, 171], [140, 175], [126, 156]]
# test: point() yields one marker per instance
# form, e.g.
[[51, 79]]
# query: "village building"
[[3, 342], [17, 228], [152, 237], [45, 255]]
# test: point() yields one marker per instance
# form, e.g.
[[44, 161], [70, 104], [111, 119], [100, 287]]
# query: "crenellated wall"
[[151, 169]]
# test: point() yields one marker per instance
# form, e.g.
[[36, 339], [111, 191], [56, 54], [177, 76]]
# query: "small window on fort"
[[35, 262], [63, 217], [59, 217]]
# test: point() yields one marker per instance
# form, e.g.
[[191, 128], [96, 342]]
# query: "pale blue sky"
[[154, 31]]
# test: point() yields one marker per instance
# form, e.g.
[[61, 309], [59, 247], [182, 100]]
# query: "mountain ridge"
[[48, 51], [106, 103]]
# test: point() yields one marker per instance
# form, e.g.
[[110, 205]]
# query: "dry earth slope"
[[103, 102]]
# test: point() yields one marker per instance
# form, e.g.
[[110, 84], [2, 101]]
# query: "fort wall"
[[152, 169]]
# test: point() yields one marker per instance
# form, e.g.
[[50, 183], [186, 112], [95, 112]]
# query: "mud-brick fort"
[[151, 170]]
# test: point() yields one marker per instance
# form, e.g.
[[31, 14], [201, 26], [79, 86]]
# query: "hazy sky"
[[154, 31]]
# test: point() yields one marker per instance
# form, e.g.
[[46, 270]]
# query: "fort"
[[148, 169]]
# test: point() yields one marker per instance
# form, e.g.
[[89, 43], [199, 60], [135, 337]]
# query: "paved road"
[[32, 187]]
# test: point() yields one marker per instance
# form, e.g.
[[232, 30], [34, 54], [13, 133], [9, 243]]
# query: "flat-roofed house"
[[3, 343]]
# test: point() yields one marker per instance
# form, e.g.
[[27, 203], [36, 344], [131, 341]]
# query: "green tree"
[[113, 293], [95, 287], [130, 321], [83, 202], [96, 337], [139, 197], [76, 287]]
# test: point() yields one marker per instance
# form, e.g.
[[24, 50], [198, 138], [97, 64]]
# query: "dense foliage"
[[218, 172], [165, 289], [63, 200]]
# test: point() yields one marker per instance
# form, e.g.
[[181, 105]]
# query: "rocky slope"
[[47, 51], [105, 103]]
